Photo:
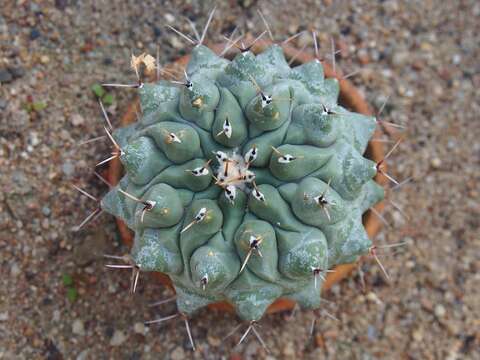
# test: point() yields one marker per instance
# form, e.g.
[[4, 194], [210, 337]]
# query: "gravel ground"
[[57, 301]]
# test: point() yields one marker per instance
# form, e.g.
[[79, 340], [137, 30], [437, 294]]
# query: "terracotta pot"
[[350, 97]]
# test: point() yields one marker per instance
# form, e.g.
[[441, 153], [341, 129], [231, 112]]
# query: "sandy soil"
[[57, 301]]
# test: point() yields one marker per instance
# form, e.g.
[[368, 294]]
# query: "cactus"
[[245, 183]]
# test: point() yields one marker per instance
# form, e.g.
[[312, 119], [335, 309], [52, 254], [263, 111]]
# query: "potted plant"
[[349, 98]]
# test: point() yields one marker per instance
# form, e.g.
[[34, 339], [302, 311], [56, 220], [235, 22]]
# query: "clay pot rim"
[[349, 97]]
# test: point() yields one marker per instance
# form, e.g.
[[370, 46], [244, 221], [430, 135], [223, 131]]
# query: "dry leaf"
[[149, 62], [145, 59], [135, 62]]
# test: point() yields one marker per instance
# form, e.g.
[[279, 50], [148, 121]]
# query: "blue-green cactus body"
[[251, 181]]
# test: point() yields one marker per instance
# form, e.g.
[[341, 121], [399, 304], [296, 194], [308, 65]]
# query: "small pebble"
[[112, 288], [305, 39], [288, 350], [374, 298], [107, 61], [15, 270], [83, 355], [363, 57], [440, 311], [77, 120], [418, 335], [46, 211], [61, 4], [78, 328], [372, 333], [251, 350], [214, 341], [436, 163], [157, 32], [139, 328], [400, 58], [457, 59], [68, 168], [293, 28], [34, 34], [176, 43], [169, 17], [34, 139], [118, 338], [56, 315], [17, 72], [5, 76], [177, 354], [44, 59]]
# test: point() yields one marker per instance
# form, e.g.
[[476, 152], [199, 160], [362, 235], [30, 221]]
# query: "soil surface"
[[58, 301]]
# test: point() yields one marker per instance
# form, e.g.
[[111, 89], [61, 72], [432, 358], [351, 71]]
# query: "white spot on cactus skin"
[[266, 100], [201, 215], [149, 205], [285, 159], [188, 83], [174, 138], [319, 272], [327, 111], [199, 171], [253, 241], [322, 201], [258, 195], [227, 129], [251, 155], [221, 156], [253, 244], [249, 176], [204, 281], [231, 193], [198, 218]]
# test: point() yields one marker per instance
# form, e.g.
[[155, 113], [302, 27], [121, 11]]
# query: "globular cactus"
[[245, 183]]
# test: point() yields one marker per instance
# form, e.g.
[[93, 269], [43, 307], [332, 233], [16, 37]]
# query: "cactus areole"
[[246, 183]]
